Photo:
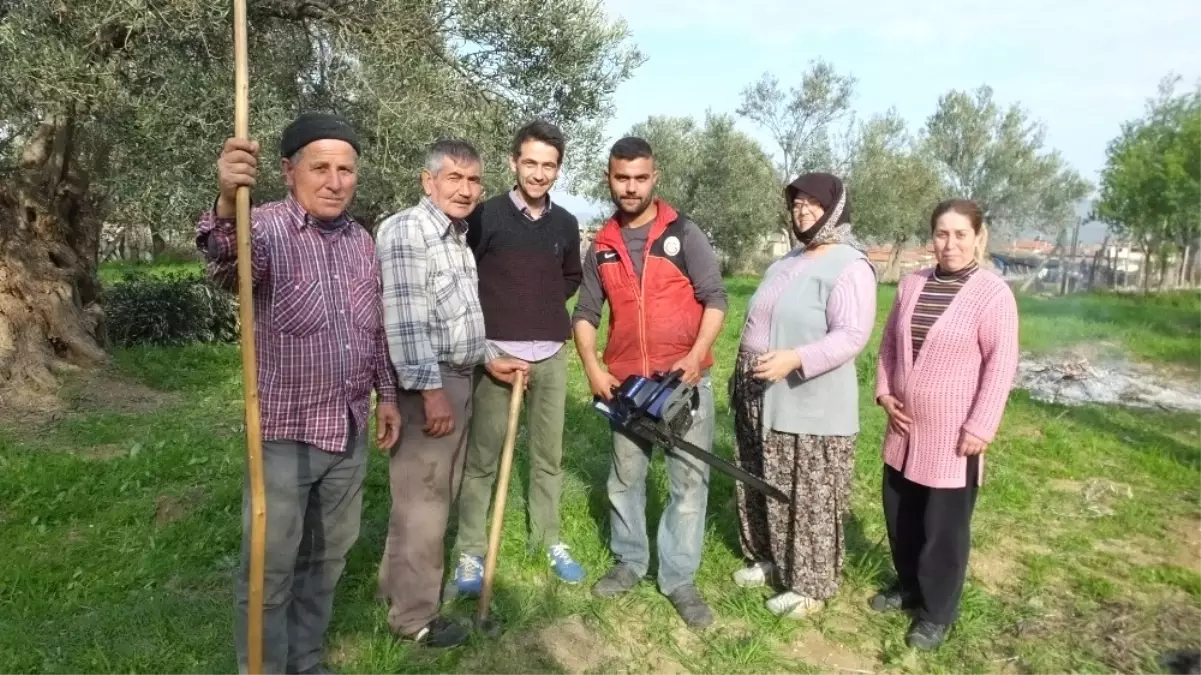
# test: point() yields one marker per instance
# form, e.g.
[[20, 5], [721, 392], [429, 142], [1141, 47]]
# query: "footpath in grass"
[[120, 521]]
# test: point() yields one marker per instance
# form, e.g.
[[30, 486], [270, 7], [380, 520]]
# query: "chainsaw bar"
[[653, 433]]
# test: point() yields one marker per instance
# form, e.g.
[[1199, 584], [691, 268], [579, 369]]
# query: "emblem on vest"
[[603, 257], [671, 245]]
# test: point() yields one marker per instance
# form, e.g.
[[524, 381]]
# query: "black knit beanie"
[[313, 126]]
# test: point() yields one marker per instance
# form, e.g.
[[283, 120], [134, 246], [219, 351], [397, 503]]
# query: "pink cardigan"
[[961, 379]]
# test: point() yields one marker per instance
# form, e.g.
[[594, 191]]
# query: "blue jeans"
[[682, 527]]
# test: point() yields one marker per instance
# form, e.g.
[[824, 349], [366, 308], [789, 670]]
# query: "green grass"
[[1162, 327], [120, 525], [114, 272]]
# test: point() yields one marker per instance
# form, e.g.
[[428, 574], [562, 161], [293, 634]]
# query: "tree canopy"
[[1151, 184], [995, 156], [715, 174], [894, 186], [116, 111], [149, 85]]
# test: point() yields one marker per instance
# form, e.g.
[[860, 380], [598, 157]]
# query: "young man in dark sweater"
[[528, 254]]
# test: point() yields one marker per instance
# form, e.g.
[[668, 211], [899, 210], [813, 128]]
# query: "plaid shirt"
[[432, 308], [318, 333]]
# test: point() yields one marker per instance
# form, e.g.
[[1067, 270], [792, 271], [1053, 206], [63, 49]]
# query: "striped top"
[[937, 294]]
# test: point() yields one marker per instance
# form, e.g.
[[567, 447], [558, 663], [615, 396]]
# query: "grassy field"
[[112, 273], [119, 522]]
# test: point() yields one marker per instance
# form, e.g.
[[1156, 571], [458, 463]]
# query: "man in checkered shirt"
[[435, 330], [320, 351]]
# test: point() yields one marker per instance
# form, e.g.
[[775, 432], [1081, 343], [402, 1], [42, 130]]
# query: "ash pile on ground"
[[1071, 379]]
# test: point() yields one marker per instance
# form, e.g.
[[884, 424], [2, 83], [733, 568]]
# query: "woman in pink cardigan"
[[948, 357]]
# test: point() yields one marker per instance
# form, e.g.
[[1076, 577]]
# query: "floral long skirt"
[[803, 541]]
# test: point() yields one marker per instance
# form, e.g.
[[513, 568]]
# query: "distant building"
[[912, 258], [1036, 247]]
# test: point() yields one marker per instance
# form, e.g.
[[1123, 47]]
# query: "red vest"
[[653, 322]]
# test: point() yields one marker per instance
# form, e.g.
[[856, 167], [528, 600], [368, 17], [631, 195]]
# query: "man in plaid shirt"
[[435, 330], [320, 351]]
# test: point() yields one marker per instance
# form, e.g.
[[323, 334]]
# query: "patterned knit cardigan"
[[961, 379]]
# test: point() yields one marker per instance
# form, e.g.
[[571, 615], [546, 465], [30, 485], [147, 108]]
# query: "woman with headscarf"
[[795, 399]]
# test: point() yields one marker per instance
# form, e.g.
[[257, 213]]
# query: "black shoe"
[[926, 635], [440, 634], [620, 579], [691, 606], [893, 599]]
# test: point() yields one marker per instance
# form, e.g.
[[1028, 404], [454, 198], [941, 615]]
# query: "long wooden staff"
[[482, 620], [250, 385]]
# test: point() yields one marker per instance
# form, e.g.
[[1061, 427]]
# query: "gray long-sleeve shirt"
[[700, 261]]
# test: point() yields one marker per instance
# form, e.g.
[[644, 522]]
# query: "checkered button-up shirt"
[[432, 308], [318, 330]]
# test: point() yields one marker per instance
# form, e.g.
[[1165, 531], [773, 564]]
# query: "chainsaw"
[[660, 410]]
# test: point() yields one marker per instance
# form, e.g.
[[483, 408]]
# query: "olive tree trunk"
[[50, 318]]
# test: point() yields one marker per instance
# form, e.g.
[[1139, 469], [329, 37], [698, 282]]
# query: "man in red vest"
[[663, 284]]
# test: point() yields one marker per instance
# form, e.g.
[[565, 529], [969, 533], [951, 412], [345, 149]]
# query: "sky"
[[1080, 67]]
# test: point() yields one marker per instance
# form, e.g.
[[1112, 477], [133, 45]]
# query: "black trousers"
[[929, 532]]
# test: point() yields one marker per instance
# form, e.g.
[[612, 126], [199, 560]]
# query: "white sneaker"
[[754, 575], [793, 605]]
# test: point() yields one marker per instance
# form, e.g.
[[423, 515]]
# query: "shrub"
[[168, 309]]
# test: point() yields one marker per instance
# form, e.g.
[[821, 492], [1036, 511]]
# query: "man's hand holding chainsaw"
[[711, 322], [600, 380]]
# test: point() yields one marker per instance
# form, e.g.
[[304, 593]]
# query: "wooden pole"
[[1071, 258], [502, 492], [1092, 272], [250, 385]]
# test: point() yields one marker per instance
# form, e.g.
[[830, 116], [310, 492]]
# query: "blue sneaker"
[[567, 568], [469, 574]]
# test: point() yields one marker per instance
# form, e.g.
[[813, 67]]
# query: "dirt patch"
[[1186, 532], [997, 567], [567, 646], [74, 536], [1032, 434], [573, 646], [1133, 551], [1094, 498], [643, 651], [1100, 495], [829, 655], [343, 650], [171, 508], [1071, 378], [102, 390], [102, 453], [111, 392], [1063, 485], [1121, 634]]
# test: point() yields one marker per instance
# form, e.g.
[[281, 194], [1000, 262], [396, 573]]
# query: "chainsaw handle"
[[664, 384], [671, 378]]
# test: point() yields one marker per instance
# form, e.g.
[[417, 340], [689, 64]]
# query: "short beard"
[[642, 206]]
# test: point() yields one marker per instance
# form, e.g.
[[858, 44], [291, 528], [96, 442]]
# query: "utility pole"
[[1063, 268]]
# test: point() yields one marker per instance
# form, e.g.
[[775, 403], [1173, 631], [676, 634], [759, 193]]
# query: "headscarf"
[[834, 227]]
